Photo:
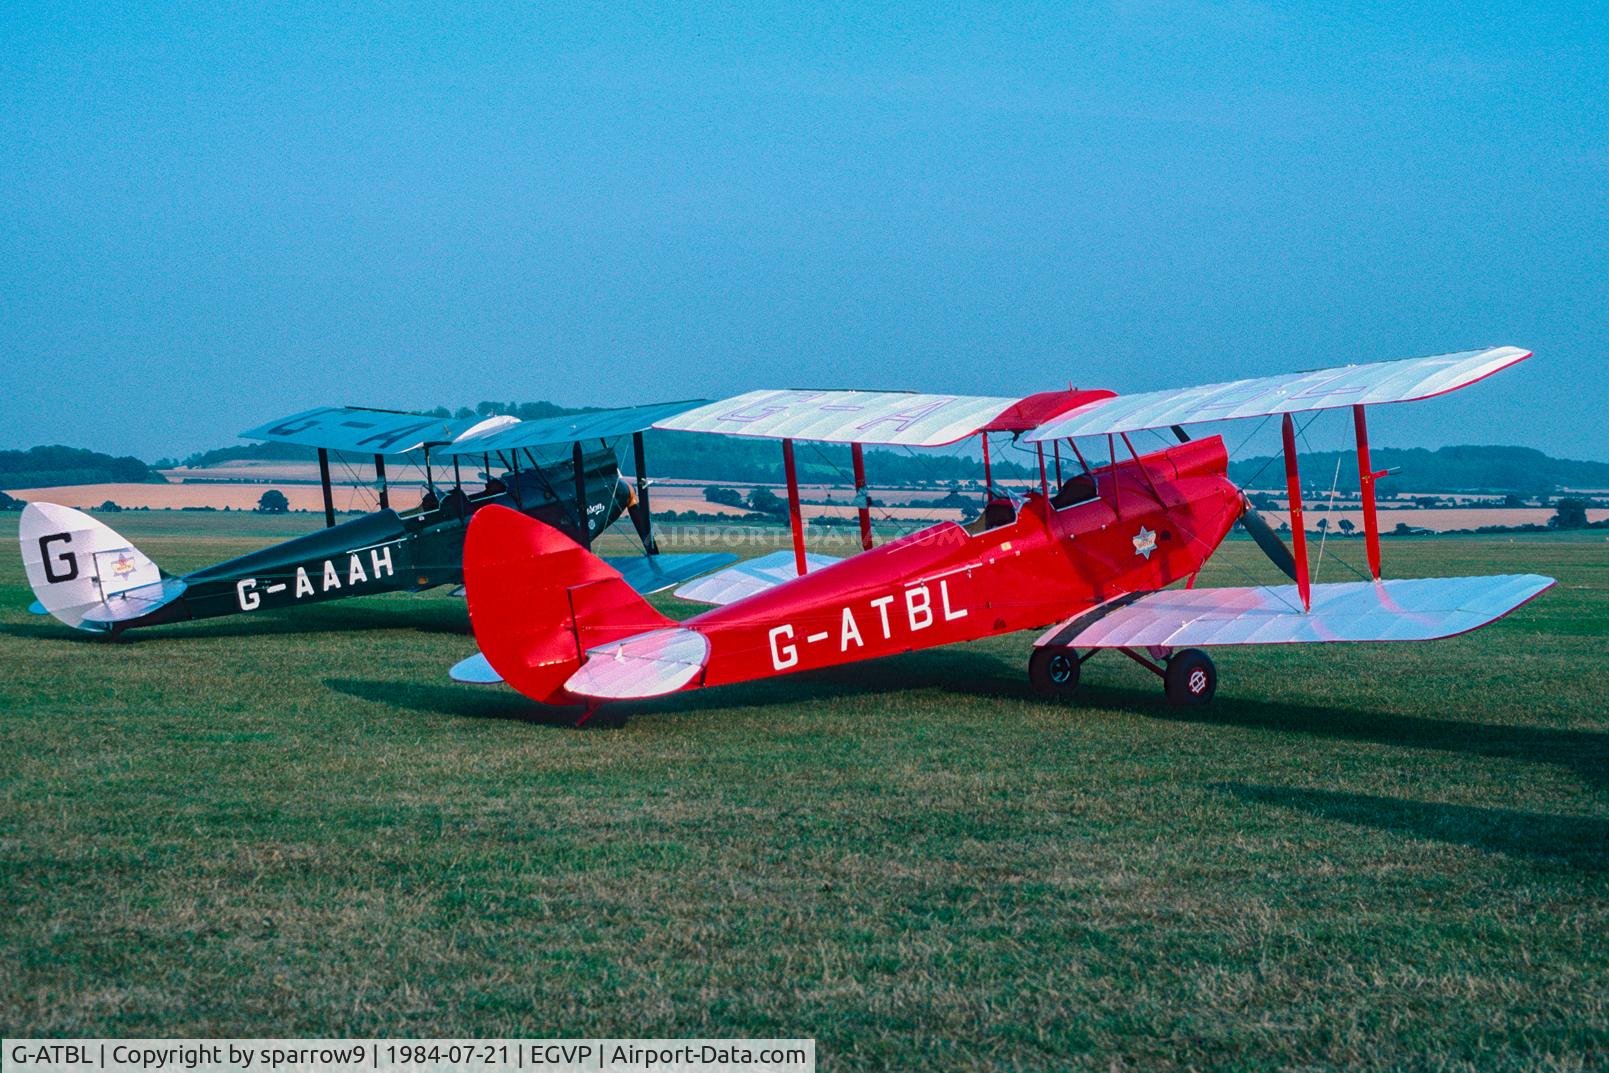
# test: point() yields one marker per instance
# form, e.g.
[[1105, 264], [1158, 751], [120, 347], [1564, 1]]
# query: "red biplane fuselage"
[[1152, 521], [1145, 523]]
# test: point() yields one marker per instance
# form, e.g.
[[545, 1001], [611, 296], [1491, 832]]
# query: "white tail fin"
[[84, 573]]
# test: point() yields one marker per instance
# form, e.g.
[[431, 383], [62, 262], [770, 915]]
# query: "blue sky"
[[211, 215]]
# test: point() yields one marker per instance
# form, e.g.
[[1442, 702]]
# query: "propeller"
[[1263, 534]]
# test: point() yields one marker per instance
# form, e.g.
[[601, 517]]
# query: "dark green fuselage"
[[391, 552]]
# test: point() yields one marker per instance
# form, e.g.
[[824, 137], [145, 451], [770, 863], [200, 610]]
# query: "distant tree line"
[[42, 467], [1514, 470]]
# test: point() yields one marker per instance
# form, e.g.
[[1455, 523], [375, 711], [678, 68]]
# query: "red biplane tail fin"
[[538, 601]]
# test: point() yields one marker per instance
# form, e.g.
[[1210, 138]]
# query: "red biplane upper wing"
[[870, 417], [1409, 609], [1348, 385]]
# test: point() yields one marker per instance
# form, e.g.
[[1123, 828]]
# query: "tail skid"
[[86, 574]]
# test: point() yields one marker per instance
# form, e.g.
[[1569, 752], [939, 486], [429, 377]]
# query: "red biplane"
[[1088, 557]]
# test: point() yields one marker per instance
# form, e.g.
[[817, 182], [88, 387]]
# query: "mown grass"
[[1361, 857]]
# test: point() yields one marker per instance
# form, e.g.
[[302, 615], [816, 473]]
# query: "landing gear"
[[1190, 677], [1053, 670]]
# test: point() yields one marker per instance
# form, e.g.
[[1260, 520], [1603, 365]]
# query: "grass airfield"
[[293, 824]]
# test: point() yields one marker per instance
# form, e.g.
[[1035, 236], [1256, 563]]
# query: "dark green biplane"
[[91, 578]]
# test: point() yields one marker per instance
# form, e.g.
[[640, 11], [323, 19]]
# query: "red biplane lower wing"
[[648, 665], [749, 577], [1412, 609]]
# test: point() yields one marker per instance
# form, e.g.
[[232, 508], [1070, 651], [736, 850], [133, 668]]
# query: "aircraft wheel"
[[1053, 670], [1191, 678]]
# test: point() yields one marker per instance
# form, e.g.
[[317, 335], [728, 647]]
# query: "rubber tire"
[[1191, 678], [1053, 671]]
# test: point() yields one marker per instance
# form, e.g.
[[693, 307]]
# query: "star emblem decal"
[[1144, 543]]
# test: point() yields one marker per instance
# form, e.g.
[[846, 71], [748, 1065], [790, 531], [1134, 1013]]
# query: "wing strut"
[[519, 500], [324, 479], [988, 473], [1293, 485], [639, 456], [580, 495], [1366, 478], [379, 475], [862, 497], [794, 518]]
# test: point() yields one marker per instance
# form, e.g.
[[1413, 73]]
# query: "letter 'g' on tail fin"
[[84, 573], [538, 601]]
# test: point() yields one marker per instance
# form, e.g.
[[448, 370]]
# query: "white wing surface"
[[1410, 609], [869, 417], [1322, 389]]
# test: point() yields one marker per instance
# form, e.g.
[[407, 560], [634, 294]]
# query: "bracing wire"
[[1329, 513], [903, 528], [354, 484], [1334, 484]]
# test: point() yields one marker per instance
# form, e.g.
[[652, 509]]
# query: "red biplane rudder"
[[538, 601]]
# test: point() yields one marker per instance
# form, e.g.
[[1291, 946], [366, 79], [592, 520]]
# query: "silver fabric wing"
[[1348, 385], [868, 417], [1410, 609], [655, 573], [750, 576]]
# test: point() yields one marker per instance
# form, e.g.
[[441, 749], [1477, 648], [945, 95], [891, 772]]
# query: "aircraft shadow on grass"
[[1581, 841], [1583, 752], [959, 672], [444, 618], [976, 674], [465, 702]]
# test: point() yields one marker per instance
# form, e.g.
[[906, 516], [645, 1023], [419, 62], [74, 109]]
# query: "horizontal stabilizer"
[[655, 573], [647, 665], [132, 603], [749, 577], [1411, 609], [474, 670]]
